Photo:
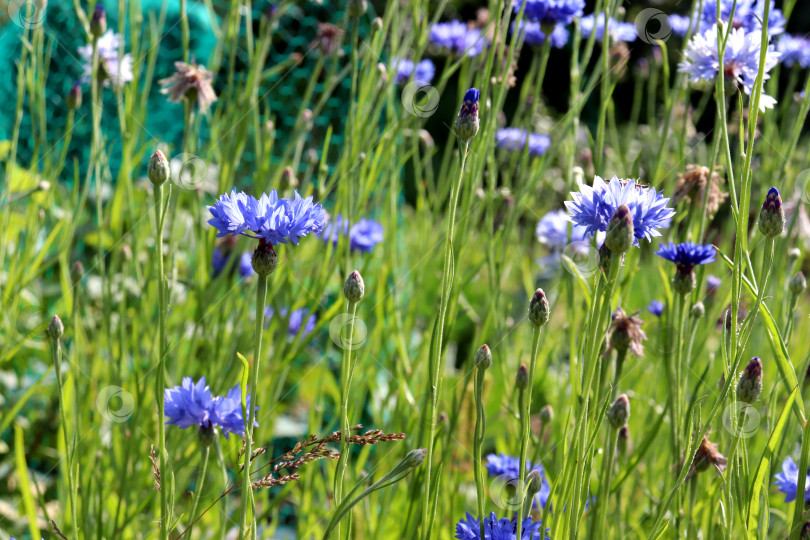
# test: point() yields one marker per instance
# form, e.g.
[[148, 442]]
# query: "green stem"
[[199, 491], [607, 469], [525, 408], [480, 428], [436, 369], [247, 488], [57, 364], [345, 383], [161, 372]]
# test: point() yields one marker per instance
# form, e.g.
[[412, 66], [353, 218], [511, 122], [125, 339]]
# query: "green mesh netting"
[[295, 32]]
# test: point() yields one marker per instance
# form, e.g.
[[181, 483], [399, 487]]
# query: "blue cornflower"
[[422, 72], [227, 412], [740, 60], [618, 30], [363, 235], [515, 139], [593, 206], [296, 320], [190, 404], [680, 24], [551, 11], [272, 219], [457, 38], [687, 254], [503, 464], [498, 529], [656, 307], [536, 37], [794, 50], [787, 481], [748, 15], [712, 284], [552, 230]]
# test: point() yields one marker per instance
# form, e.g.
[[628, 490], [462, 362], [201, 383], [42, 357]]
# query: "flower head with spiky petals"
[[270, 218], [740, 60], [552, 230], [190, 404], [748, 15], [499, 529], [227, 412], [787, 481], [687, 254], [593, 206], [550, 11]]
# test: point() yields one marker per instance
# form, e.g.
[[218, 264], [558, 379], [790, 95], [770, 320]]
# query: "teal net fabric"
[[280, 95]]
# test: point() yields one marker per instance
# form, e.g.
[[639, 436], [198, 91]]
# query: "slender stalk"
[[247, 489], [161, 371], [436, 369], [56, 349], [345, 383], [607, 470], [199, 491], [480, 429], [525, 407]]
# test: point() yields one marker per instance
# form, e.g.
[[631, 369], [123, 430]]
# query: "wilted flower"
[[421, 72], [626, 333], [593, 206], [515, 140], [328, 38], [691, 187], [618, 30], [707, 456], [191, 82], [740, 60], [112, 68], [457, 38]]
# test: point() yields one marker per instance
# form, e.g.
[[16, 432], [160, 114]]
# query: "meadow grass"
[[411, 336]]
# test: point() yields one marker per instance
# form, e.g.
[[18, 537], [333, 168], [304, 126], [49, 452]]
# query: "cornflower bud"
[[55, 328], [98, 23], [264, 259], [619, 237], [74, 97], [354, 288], [467, 121], [772, 215], [158, 168], [619, 412], [538, 308], [698, 310], [483, 357], [522, 377], [749, 386], [797, 284]]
